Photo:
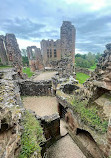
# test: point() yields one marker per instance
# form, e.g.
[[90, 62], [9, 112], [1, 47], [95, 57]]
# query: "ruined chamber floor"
[[65, 148], [42, 106]]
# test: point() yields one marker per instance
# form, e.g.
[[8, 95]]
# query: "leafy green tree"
[[25, 61], [87, 60]]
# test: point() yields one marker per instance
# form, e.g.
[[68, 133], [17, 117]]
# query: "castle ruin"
[[35, 58], [57, 54], [9, 51]]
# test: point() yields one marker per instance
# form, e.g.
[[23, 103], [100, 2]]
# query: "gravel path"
[[45, 76], [65, 148], [63, 125], [42, 106]]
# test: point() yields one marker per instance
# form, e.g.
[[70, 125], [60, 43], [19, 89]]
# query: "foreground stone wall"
[[10, 116], [101, 78], [96, 94], [74, 122], [51, 126]]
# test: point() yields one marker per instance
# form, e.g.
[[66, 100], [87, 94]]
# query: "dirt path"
[[45, 76], [42, 106], [65, 147]]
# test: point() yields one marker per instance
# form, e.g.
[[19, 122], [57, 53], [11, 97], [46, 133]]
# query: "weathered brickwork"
[[3, 56], [94, 94], [61, 53], [10, 115], [35, 58], [31, 88], [67, 36], [51, 51], [9, 51]]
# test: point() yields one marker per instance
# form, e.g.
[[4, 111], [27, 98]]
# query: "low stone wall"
[[31, 88], [51, 128], [83, 70]]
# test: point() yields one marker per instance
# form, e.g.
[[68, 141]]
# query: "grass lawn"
[[28, 72], [5, 66], [81, 77], [92, 68]]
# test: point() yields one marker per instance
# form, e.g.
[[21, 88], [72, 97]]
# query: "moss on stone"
[[89, 115], [32, 136]]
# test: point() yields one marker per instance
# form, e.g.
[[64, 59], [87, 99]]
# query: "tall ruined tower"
[[67, 36], [13, 51], [3, 55]]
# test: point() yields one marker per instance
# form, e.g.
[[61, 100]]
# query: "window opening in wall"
[[50, 53], [10, 57], [54, 44], [55, 53]]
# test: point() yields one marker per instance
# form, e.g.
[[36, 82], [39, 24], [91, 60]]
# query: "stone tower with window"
[[61, 53], [62, 48], [67, 36]]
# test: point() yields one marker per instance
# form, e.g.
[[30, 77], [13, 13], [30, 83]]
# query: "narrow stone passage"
[[65, 147]]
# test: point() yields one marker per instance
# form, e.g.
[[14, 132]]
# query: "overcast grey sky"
[[34, 20]]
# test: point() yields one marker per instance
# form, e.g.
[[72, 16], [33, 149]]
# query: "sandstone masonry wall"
[[31, 88], [35, 58], [9, 50], [60, 54], [10, 115]]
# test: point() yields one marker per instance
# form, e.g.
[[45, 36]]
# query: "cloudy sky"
[[34, 20]]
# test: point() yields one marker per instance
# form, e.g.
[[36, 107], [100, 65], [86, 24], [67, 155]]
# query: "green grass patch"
[[32, 136], [28, 72], [81, 77], [5, 66], [89, 115], [92, 68]]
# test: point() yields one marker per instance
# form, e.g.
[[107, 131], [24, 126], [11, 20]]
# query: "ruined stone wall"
[[35, 58], [51, 126], [3, 56], [96, 93], [31, 88], [9, 52], [67, 35], [74, 122], [51, 51], [65, 49], [13, 51], [100, 80], [10, 116]]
